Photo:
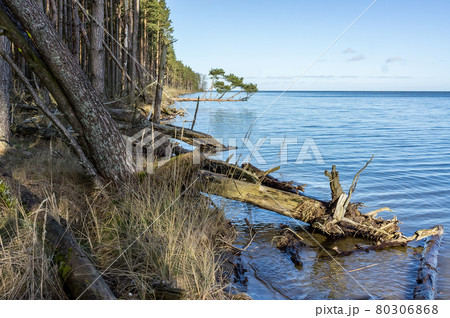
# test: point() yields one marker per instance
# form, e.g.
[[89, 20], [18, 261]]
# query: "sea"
[[305, 133]]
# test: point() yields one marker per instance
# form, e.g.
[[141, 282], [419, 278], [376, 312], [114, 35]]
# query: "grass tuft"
[[155, 237]]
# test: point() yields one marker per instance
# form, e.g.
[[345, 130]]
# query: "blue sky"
[[395, 45]]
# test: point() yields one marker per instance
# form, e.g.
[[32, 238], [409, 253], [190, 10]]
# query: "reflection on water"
[[409, 134]]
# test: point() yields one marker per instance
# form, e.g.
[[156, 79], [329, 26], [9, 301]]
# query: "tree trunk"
[[80, 278], [125, 45], [159, 86], [107, 149], [76, 31], [315, 212], [427, 273], [5, 80], [85, 163], [96, 53], [134, 26]]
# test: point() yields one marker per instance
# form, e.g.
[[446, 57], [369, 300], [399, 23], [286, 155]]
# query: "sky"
[[395, 45]]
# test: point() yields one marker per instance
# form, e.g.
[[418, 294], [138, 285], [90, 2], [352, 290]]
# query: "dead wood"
[[230, 170], [44, 133], [266, 179], [315, 212], [427, 273], [80, 278], [291, 243], [192, 137], [335, 185]]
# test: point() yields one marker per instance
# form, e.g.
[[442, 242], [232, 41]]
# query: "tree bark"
[[134, 45], [76, 31], [427, 273], [107, 148], [159, 86], [5, 80], [97, 53]]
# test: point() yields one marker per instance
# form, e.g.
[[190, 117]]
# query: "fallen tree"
[[236, 185], [427, 273], [189, 136]]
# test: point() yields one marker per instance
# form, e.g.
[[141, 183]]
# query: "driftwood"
[[303, 208], [249, 173], [427, 273], [319, 214], [335, 185], [230, 170]]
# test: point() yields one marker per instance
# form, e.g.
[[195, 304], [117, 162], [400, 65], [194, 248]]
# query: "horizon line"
[[348, 91]]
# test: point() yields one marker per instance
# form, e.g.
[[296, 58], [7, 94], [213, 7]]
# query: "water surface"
[[409, 134]]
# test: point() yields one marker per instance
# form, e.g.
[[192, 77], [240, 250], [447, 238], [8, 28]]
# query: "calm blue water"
[[409, 134]]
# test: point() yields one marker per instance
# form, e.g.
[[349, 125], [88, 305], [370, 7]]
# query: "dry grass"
[[161, 232], [156, 233], [26, 271]]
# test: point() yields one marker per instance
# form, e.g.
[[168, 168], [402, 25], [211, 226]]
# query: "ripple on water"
[[407, 132]]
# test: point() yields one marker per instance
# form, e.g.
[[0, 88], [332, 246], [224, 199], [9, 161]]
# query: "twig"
[[289, 229], [375, 212], [354, 183], [195, 115]]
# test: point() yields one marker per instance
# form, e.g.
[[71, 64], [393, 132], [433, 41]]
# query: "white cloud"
[[394, 59], [348, 51], [356, 58]]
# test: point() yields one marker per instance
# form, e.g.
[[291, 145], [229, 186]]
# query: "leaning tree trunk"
[[97, 53], [5, 80], [106, 147]]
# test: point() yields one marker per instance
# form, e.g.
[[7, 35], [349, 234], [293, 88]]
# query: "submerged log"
[[427, 273], [291, 243]]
